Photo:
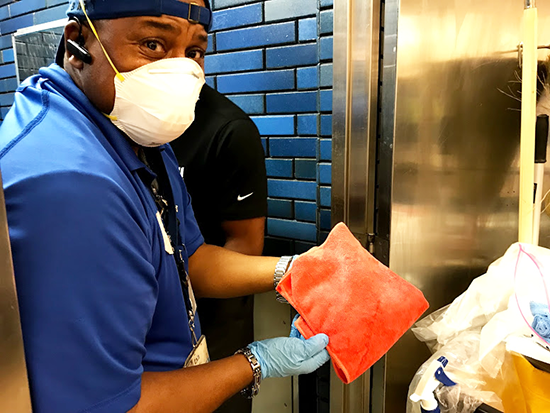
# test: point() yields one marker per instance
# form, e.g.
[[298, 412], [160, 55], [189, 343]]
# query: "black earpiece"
[[79, 51]]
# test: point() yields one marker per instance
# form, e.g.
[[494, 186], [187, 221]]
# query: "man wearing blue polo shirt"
[[106, 248]]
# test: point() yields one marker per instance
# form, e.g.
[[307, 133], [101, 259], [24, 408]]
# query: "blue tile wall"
[[292, 229], [308, 124], [302, 147], [275, 125], [280, 168], [283, 9], [251, 104], [325, 173], [307, 29], [256, 81], [291, 56], [234, 62], [295, 189], [305, 211], [256, 36], [237, 17], [305, 169], [308, 77], [280, 208], [294, 102], [273, 58]]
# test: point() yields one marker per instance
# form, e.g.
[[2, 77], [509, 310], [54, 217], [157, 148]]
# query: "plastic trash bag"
[[472, 331]]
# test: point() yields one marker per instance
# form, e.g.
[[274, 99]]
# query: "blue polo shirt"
[[100, 298]]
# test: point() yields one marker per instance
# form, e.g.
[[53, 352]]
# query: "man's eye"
[[153, 45], [195, 54]]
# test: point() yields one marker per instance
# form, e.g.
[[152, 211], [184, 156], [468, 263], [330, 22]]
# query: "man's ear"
[[76, 53]]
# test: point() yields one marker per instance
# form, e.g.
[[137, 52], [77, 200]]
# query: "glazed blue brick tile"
[[323, 235], [4, 112], [5, 41], [26, 6], [308, 125], [266, 148], [285, 9], [6, 99], [7, 71], [50, 3], [211, 81], [326, 100], [7, 55], [291, 229], [327, 22], [11, 25], [294, 102], [326, 48], [325, 173], [300, 246], [305, 169], [279, 168], [326, 125], [4, 12], [220, 4], [10, 84], [275, 125], [51, 14], [292, 189], [325, 149], [326, 75], [256, 81], [307, 29], [307, 77], [234, 62], [272, 34], [251, 104], [237, 17], [325, 193], [295, 147], [305, 211], [279, 208], [291, 56], [325, 3], [324, 219], [211, 44]]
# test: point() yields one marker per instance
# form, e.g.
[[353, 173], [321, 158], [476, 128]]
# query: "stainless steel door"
[[447, 147], [14, 385]]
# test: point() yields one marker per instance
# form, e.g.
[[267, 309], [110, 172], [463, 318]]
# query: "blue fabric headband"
[[114, 9]]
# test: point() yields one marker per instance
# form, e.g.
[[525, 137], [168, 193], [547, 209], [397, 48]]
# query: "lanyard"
[[161, 191]]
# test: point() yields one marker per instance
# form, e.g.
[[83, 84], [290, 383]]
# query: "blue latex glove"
[[290, 356]]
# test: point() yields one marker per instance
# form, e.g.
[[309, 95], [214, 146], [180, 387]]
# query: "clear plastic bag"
[[472, 331]]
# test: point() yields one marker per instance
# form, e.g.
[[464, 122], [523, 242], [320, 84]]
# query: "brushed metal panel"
[[456, 140], [14, 385]]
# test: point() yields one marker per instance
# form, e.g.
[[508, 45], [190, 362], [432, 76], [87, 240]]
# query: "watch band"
[[280, 270], [252, 390]]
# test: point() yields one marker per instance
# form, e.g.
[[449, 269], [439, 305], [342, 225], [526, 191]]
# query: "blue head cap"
[[114, 9]]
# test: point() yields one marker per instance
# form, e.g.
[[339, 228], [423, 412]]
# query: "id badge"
[[199, 355]]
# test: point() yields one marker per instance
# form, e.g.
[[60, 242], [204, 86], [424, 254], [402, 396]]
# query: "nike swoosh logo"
[[242, 198]]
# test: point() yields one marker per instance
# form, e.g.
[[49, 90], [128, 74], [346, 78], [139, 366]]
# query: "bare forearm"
[[220, 273], [244, 247], [200, 389]]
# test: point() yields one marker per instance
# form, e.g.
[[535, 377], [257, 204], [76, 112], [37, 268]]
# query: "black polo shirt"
[[224, 165]]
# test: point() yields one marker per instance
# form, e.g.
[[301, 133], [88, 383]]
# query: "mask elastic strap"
[[118, 75]]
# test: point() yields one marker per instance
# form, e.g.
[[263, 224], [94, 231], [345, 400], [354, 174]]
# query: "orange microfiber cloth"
[[341, 290]]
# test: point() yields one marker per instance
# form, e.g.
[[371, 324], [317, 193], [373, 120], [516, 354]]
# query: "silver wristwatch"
[[252, 390], [280, 269]]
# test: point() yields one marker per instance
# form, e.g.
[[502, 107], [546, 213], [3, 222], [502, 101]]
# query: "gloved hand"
[[290, 356]]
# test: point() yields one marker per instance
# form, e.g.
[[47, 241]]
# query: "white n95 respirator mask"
[[155, 104]]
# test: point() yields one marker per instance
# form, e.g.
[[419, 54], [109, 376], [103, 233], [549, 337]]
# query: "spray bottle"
[[431, 380]]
